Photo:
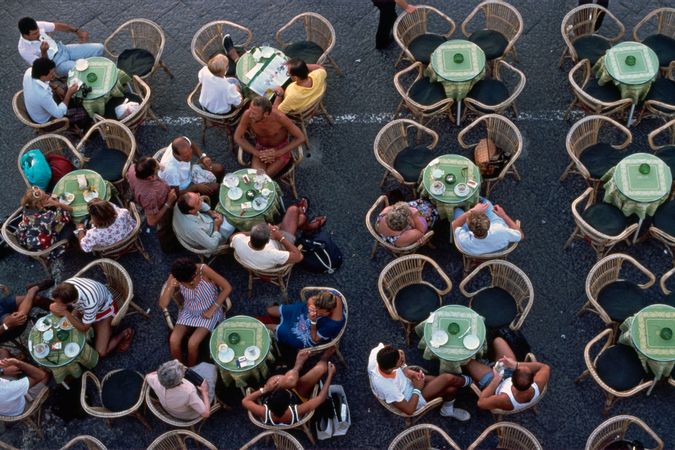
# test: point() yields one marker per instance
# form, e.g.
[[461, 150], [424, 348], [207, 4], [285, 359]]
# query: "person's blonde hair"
[[479, 224], [398, 216], [218, 65], [325, 300], [30, 200]]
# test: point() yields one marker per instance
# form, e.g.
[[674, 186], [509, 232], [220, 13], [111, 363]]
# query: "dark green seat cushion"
[[114, 102], [489, 92], [424, 45], [411, 161], [668, 299], [136, 61], [663, 46], [667, 154], [496, 305], [620, 368], [308, 51], [622, 299], [414, 303], [107, 162], [591, 47], [426, 92], [121, 390], [624, 444], [599, 158], [663, 90], [664, 218], [492, 42], [606, 218], [607, 93]]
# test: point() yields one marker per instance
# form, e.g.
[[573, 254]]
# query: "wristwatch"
[[6, 328], [203, 155], [313, 322], [2, 371], [282, 238]]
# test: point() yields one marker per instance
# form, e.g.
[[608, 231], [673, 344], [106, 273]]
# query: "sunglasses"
[[37, 193]]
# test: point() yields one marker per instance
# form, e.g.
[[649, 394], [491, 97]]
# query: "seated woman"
[[304, 325], [42, 221], [402, 224], [110, 225], [287, 398], [219, 94], [204, 292]]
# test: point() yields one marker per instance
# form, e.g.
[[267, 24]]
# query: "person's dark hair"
[[279, 401], [522, 379], [183, 205], [27, 24], [145, 167], [184, 269], [41, 67], [260, 236], [387, 357], [102, 213], [298, 68], [262, 102], [65, 292]]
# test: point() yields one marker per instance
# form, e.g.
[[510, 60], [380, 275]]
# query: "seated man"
[[151, 192], [198, 225], [93, 306], [14, 309], [519, 386], [409, 390], [177, 170], [272, 130], [36, 43], [219, 93], [15, 393], [485, 229], [309, 84]]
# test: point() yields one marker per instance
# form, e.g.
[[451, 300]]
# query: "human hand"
[[402, 356], [44, 46], [267, 155], [411, 9], [204, 387], [172, 197], [509, 363], [331, 368], [10, 367], [58, 309], [275, 234], [311, 311], [82, 35], [499, 210], [279, 91], [479, 208], [15, 319], [210, 312], [206, 163], [417, 382], [302, 356], [171, 282], [72, 88]]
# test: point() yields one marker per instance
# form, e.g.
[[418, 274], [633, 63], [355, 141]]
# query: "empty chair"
[[140, 93], [120, 394], [657, 31], [662, 142], [615, 431], [669, 298], [90, 442], [422, 436], [497, 94], [660, 101], [174, 439], [53, 126], [494, 26], [281, 439], [319, 39], [411, 33], [603, 100], [508, 435], [425, 99], [208, 41], [50, 144], [582, 40]]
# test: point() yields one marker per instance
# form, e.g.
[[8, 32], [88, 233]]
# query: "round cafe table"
[[463, 169], [632, 67], [261, 69], [68, 184], [458, 65], [242, 212], [108, 82]]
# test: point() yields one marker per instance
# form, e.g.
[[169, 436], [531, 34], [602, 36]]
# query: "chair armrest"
[[663, 128]]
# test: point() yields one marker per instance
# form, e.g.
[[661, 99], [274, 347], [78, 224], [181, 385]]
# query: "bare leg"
[[193, 345], [256, 163], [306, 383], [444, 385], [477, 370], [218, 170], [104, 342], [501, 348], [232, 53], [274, 312], [293, 218], [276, 167], [176, 342]]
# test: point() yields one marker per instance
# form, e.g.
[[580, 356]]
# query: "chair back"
[[302, 423], [54, 125], [658, 21], [90, 442], [499, 16], [420, 111], [154, 405], [48, 144], [421, 437], [280, 271], [615, 428], [281, 439], [208, 40], [514, 79], [510, 435], [309, 291], [137, 33], [101, 411], [117, 137], [132, 242], [579, 77], [316, 29], [232, 118], [134, 120], [409, 26], [470, 260], [581, 21], [662, 137], [657, 108], [202, 253], [175, 439]]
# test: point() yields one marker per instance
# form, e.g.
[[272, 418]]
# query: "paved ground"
[[342, 179]]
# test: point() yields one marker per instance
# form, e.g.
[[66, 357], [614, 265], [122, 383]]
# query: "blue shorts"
[[7, 305], [482, 384]]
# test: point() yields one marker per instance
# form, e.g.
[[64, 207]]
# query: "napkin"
[[430, 319], [82, 182], [254, 70]]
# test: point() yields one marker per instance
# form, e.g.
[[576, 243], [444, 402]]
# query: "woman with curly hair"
[[110, 225], [402, 224], [42, 220]]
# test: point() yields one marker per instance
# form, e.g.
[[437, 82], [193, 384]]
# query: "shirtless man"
[[272, 130]]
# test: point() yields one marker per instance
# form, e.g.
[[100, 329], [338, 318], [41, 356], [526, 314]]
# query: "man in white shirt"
[[15, 392], [409, 390], [38, 95], [219, 93], [266, 247], [198, 225], [178, 171], [484, 229], [34, 43]]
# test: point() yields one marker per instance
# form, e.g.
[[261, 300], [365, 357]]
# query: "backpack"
[[36, 169], [321, 255], [60, 165]]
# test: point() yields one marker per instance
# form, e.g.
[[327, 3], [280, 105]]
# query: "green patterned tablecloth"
[[633, 81], [463, 169], [110, 82], [251, 332], [643, 332], [68, 183], [56, 361], [269, 73], [232, 209], [457, 77], [633, 192], [452, 354]]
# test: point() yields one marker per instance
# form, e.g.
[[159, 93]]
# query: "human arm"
[[513, 224], [154, 218], [297, 137], [204, 391], [167, 292], [11, 321], [86, 243], [34, 374], [461, 220], [240, 135], [541, 372], [82, 35], [278, 97], [294, 254], [406, 6], [488, 398], [222, 283], [315, 402], [59, 110], [204, 160], [62, 310], [250, 402]]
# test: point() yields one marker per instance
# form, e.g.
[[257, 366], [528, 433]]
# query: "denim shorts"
[[482, 384], [7, 305]]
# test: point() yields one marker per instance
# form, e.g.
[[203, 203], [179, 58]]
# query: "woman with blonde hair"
[[402, 224], [42, 219], [110, 225], [219, 93]]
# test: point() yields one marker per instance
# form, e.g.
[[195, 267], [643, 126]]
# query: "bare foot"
[[302, 357]]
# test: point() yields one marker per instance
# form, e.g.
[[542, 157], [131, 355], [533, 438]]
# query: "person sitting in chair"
[[16, 393], [485, 229], [110, 225], [309, 84], [197, 224], [14, 309], [219, 93], [177, 170]]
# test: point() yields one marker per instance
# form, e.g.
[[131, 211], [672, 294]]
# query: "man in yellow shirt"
[[309, 84]]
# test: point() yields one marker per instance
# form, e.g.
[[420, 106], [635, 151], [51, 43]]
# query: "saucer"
[[226, 356], [43, 324], [471, 342], [461, 190], [90, 195], [231, 180], [252, 353], [438, 338], [437, 187], [81, 64], [40, 350], [71, 350], [259, 203], [235, 193]]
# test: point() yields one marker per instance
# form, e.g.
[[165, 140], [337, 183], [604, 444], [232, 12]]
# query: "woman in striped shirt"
[[204, 292]]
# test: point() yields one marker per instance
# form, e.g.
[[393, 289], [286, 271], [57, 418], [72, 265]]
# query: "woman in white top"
[[219, 93]]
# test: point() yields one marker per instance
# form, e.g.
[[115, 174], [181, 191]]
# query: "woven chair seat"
[[663, 90], [121, 390], [489, 92], [607, 93], [107, 162], [591, 47], [622, 299], [606, 218], [424, 45], [664, 218], [492, 42], [136, 61], [426, 92], [620, 368], [308, 51], [496, 305], [663, 46], [411, 161], [599, 158], [415, 302], [114, 102]]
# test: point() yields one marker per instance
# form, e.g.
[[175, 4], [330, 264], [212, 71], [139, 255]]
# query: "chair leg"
[[384, 178], [141, 419], [144, 312], [408, 332], [325, 113], [567, 171], [571, 238], [398, 109], [609, 402], [340, 357], [562, 57], [139, 246], [284, 290], [372, 252], [166, 69], [250, 285], [203, 131], [335, 66], [309, 434], [152, 114], [515, 173], [400, 59]]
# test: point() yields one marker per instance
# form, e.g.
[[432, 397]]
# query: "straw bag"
[[488, 158]]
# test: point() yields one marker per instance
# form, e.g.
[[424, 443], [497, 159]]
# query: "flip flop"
[[303, 204], [125, 343], [316, 223]]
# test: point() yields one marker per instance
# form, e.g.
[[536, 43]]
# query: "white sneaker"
[[448, 410]]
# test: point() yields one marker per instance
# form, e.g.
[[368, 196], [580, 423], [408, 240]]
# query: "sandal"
[[125, 343], [303, 204], [315, 224]]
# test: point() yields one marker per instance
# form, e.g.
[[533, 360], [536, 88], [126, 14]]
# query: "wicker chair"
[[659, 22], [309, 291], [509, 435], [513, 79], [407, 271], [202, 253], [506, 137], [301, 118], [422, 113], [53, 126], [287, 175], [498, 16], [48, 144], [303, 423], [138, 33], [615, 428], [654, 108], [662, 142], [317, 29], [174, 439], [153, 404], [118, 282], [600, 242], [101, 411], [31, 415], [611, 395], [208, 40], [133, 121], [580, 23], [6, 446], [589, 131], [391, 140], [278, 276], [281, 439], [509, 277], [19, 343], [228, 121], [131, 243], [584, 86], [664, 288], [472, 261], [90, 442], [605, 272], [420, 437], [410, 26]]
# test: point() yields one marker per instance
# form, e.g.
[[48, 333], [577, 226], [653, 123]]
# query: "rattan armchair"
[[153, 404], [420, 437], [392, 139], [228, 121], [101, 411], [615, 428], [513, 79], [317, 29], [131, 243], [656, 25], [583, 84], [471, 261], [301, 118], [278, 276], [509, 435], [497, 16], [506, 137], [48, 144], [174, 439], [371, 218], [204, 254], [31, 415], [287, 174], [653, 108], [178, 300], [53, 126], [407, 271], [141, 89], [281, 439], [600, 242], [410, 26], [605, 272], [138, 33], [208, 40], [309, 291], [90, 442], [422, 113]]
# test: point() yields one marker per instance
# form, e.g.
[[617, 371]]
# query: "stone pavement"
[[342, 178]]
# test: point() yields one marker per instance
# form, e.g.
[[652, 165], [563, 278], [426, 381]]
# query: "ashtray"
[[250, 194], [666, 334], [450, 178], [630, 60], [453, 328], [234, 338], [458, 58], [644, 169], [91, 77]]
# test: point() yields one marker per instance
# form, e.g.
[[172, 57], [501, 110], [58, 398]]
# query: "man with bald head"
[[179, 172]]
